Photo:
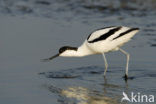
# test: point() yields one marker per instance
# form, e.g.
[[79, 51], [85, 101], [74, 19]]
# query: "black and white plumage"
[[100, 42]]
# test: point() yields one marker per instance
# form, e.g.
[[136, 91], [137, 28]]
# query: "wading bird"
[[100, 42]]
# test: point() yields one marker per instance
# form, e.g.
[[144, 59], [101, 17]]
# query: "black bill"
[[48, 59]]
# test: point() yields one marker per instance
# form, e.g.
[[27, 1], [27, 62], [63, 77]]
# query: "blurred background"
[[31, 30]]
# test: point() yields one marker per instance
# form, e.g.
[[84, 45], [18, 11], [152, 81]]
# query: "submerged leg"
[[128, 56], [106, 64]]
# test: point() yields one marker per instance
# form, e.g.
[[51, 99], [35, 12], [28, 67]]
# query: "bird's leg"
[[128, 56], [106, 64]]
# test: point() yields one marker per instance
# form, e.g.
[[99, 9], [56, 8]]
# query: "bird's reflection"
[[109, 85], [89, 96], [85, 96], [104, 92]]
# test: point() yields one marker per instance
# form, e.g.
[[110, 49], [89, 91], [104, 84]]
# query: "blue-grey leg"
[[128, 56], [106, 64]]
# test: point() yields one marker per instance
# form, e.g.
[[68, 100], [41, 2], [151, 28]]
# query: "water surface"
[[31, 30]]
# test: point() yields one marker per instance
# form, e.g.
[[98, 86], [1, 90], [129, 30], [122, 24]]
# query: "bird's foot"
[[125, 77]]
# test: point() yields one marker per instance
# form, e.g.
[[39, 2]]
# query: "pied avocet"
[[100, 42]]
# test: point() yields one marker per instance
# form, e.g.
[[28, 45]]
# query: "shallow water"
[[31, 30]]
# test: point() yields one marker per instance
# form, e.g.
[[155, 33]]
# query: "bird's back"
[[110, 38]]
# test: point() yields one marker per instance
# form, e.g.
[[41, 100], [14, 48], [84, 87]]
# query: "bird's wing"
[[110, 33], [103, 34], [96, 34], [123, 31]]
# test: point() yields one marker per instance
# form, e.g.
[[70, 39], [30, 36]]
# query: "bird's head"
[[66, 51]]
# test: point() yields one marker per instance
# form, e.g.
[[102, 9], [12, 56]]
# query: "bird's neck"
[[83, 50]]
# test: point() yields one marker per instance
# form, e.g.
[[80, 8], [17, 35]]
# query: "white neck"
[[83, 50]]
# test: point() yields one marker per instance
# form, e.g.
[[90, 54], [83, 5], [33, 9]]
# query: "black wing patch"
[[101, 29], [126, 32], [106, 35]]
